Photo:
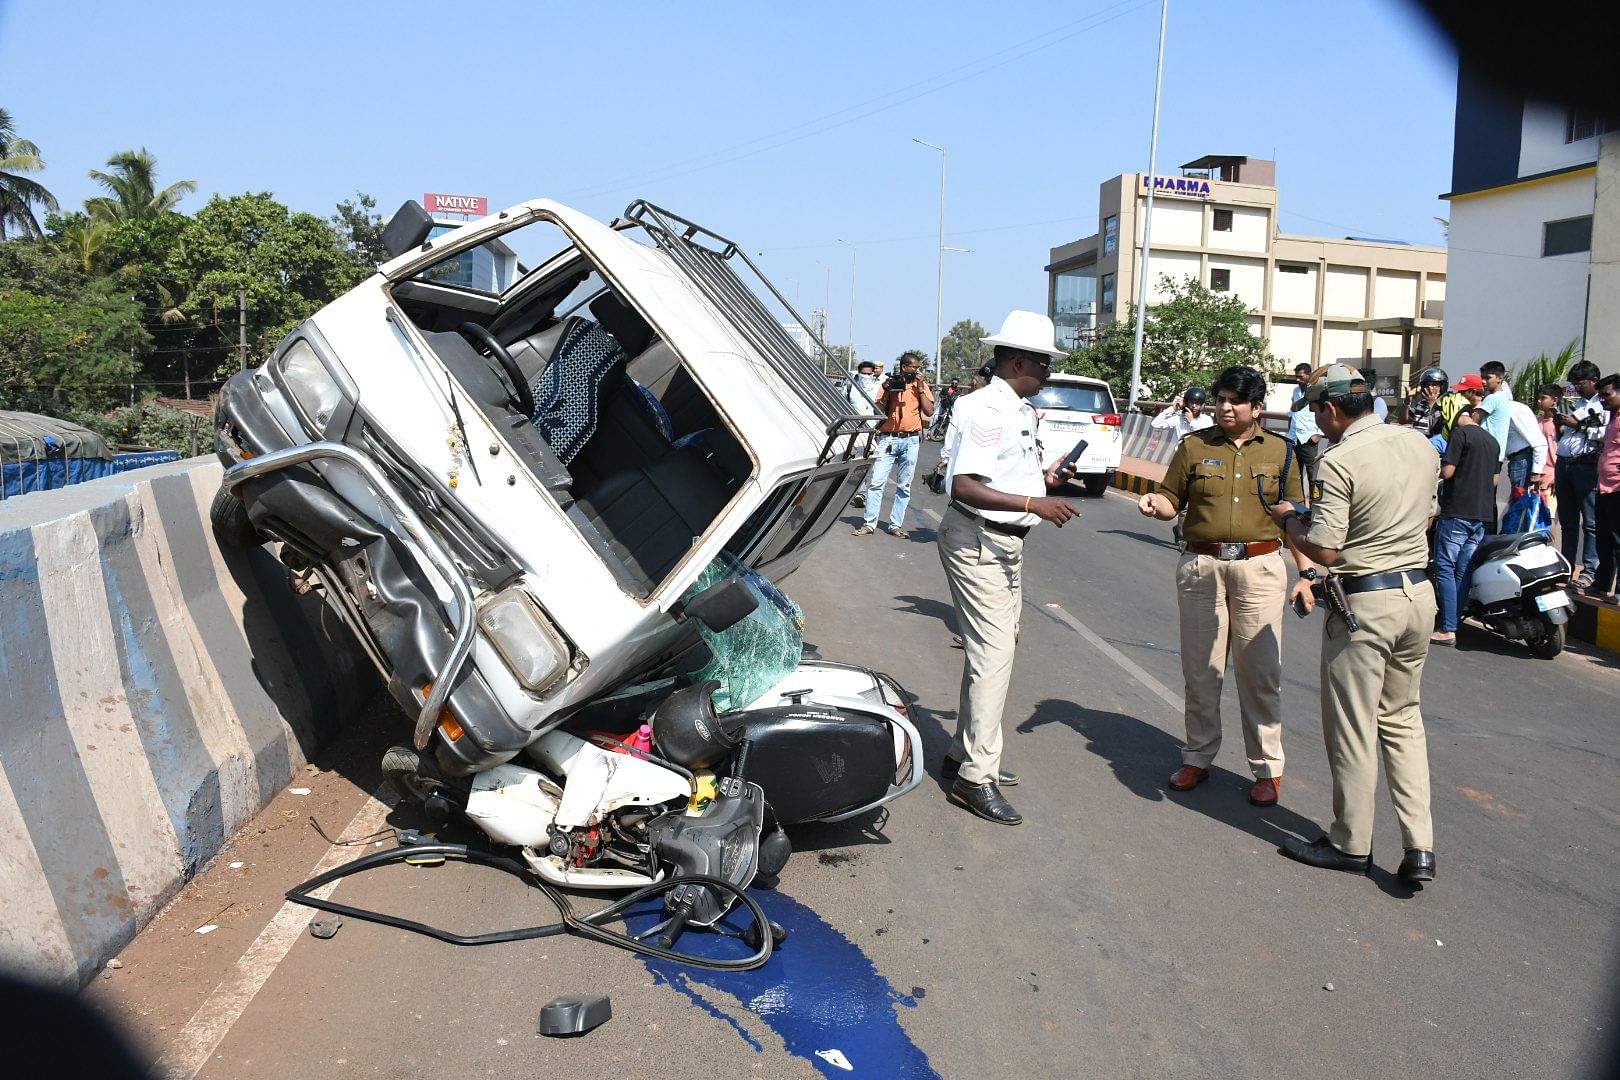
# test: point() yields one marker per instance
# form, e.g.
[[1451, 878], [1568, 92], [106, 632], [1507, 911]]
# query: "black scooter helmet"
[[1195, 395], [686, 731], [1433, 376]]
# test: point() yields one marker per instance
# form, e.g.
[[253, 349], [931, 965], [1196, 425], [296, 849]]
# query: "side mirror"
[[407, 229], [723, 604]]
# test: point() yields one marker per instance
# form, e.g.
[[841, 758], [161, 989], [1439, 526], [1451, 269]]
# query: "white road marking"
[[207, 1028], [1132, 668]]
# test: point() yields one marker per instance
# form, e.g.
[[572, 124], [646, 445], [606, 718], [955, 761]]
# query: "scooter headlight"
[[531, 648], [312, 386]]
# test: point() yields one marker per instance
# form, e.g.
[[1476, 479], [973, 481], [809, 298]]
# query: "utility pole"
[[851, 303], [1147, 219], [939, 279], [241, 326]]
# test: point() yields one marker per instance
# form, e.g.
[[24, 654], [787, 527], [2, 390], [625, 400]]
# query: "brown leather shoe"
[[1187, 777], [1265, 791]]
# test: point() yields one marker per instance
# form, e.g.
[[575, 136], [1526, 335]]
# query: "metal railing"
[[709, 269], [464, 623]]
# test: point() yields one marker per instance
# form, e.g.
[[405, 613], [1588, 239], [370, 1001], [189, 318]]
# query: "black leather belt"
[[1019, 531], [1395, 579], [902, 434]]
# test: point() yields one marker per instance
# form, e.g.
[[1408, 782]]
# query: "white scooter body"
[[1519, 589], [526, 807]]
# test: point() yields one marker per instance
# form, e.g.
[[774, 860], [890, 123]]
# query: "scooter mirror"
[[723, 604]]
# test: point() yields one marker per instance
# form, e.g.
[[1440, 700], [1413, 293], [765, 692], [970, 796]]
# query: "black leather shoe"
[[950, 769], [1321, 852], [986, 801], [1418, 866]]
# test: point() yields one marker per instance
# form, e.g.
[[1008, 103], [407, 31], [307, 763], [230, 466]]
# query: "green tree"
[[18, 193], [132, 184], [360, 228], [83, 240], [961, 352], [59, 355], [1536, 372], [289, 264], [1188, 338]]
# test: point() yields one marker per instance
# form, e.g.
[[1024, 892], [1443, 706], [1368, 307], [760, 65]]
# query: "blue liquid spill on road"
[[818, 992]]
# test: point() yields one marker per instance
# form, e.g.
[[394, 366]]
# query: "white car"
[[1070, 408]]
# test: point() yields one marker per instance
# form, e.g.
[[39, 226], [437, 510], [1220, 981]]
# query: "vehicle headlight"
[[514, 625], [312, 386]]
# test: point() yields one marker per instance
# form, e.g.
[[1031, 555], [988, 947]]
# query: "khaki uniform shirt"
[[1214, 479], [1375, 492]]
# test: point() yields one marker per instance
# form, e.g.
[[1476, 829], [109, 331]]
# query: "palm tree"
[[17, 192], [1535, 373], [83, 240], [132, 183]]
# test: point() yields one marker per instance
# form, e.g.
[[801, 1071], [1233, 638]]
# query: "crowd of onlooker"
[[1564, 451]]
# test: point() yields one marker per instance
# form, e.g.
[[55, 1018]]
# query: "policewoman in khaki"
[[998, 493], [1371, 503], [1231, 583]]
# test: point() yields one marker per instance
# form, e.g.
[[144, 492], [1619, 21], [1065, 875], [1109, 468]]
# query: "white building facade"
[[1528, 229]]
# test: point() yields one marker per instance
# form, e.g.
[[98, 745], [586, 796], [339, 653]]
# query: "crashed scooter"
[[541, 466]]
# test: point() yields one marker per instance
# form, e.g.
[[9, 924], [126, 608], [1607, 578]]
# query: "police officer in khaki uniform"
[[1370, 510], [998, 493], [1232, 583]]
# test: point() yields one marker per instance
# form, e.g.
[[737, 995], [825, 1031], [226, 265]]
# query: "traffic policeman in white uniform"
[[998, 493]]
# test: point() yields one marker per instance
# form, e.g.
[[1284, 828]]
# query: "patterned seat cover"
[[586, 367]]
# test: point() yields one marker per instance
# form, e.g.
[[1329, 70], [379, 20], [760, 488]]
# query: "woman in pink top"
[[1547, 401]]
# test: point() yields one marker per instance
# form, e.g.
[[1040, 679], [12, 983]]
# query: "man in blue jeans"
[[1467, 502], [907, 402]]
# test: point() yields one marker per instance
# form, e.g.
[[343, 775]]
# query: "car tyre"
[[1096, 485], [413, 775], [233, 529]]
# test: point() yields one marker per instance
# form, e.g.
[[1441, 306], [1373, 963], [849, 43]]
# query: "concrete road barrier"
[[156, 694]]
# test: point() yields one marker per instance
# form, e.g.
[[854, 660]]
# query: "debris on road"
[[574, 1015], [115, 963], [1327, 986], [325, 928], [835, 1057], [206, 928], [299, 790]]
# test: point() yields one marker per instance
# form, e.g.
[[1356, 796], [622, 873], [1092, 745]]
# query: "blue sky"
[[786, 127]]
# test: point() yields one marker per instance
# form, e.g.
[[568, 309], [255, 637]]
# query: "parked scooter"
[[1520, 590]]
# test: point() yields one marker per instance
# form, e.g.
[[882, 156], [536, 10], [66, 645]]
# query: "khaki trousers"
[[984, 572], [1234, 606], [1370, 684]]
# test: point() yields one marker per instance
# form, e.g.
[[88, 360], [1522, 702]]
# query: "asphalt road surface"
[[1122, 931]]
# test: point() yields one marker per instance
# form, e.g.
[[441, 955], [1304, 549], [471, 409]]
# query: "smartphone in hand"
[[1299, 607], [1073, 455]]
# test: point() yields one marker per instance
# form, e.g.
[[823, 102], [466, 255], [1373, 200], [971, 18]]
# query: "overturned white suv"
[[508, 456]]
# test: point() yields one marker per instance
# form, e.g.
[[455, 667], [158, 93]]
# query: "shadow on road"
[[1142, 757], [930, 608], [1146, 538]]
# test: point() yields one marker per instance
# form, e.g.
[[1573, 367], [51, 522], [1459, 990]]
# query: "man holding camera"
[[907, 401], [1186, 414], [1580, 422]]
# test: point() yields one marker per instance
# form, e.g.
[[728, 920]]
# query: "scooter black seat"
[[1508, 543]]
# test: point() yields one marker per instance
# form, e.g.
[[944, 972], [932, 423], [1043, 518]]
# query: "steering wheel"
[[520, 392]]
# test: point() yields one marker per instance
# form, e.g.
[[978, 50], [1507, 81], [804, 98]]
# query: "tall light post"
[[1147, 218], [851, 302], [939, 284]]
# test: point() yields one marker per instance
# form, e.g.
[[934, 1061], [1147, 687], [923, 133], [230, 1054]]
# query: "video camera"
[[898, 381]]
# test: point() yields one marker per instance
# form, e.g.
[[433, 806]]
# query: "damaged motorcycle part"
[[589, 926], [574, 1015]]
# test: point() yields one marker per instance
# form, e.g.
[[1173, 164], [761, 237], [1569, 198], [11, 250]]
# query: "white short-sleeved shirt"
[[992, 437]]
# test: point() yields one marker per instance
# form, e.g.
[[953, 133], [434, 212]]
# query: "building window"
[[1074, 305], [1220, 280], [1223, 221], [1106, 288], [1566, 237], [1583, 124], [1293, 268], [1110, 234]]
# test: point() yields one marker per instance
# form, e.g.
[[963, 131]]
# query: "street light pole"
[[851, 303], [1147, 219], [939, 283]]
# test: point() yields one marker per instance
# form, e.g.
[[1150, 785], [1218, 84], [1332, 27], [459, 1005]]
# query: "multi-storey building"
[[1315, 299]]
